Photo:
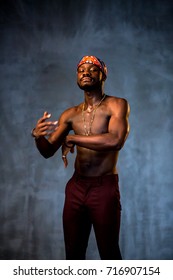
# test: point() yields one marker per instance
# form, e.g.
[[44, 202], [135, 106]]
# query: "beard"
[[89, 87]]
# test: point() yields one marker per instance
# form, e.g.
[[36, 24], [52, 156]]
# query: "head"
[[91, 73]]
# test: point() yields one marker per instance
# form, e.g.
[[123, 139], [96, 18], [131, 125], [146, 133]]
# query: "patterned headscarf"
[[94, 60]]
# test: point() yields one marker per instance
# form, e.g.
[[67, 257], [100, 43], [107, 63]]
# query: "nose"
[[86, 73]]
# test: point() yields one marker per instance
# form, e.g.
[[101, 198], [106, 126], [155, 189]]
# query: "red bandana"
[[94, 60]]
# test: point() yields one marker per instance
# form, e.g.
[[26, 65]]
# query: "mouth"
[[86, 79]]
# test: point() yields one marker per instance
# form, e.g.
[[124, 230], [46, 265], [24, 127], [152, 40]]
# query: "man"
[[92, 197]]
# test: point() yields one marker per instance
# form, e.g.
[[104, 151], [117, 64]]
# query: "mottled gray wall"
[[40, 45]]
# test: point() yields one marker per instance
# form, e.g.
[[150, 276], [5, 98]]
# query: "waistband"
[[78, 176]]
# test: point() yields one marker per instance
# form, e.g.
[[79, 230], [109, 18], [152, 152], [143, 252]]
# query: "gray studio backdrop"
[[40, 45]]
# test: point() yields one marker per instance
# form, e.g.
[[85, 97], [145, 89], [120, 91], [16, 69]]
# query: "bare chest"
[[90, 123]]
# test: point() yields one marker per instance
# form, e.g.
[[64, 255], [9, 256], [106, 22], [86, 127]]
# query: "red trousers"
[[92, 201]]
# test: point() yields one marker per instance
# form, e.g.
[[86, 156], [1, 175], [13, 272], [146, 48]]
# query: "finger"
[[51, 129], [72, 150], [45, 125], [45, 113], [45, 117], [55, 124], [44, 131], [65, 161]]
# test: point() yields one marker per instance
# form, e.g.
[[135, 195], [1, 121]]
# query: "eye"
[[93, 69], [80, 70]]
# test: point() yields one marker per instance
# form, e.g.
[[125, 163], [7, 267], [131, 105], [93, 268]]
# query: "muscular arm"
[[48, 147], [45, 148], [114, 139]]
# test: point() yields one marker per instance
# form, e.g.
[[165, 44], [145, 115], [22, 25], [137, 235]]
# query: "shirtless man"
[[92, 197]]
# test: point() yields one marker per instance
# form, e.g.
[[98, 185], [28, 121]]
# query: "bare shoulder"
[[113, 100], [118, 105], [69, 113]]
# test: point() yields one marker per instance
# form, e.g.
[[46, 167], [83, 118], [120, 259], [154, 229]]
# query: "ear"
[[102, 77], [106, 72]]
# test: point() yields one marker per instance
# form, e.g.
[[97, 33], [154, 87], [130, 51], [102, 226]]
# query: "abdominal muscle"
[[95, 163]]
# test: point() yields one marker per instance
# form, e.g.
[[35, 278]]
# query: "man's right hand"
[[43, 127]]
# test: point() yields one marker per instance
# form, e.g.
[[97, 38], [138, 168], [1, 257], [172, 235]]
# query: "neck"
[[92, 98], [93, 101]]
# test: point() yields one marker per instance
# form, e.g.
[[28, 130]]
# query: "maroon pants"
[[92, 201]]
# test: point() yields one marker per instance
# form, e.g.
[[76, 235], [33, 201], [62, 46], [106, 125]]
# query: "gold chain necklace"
[[88, 132]]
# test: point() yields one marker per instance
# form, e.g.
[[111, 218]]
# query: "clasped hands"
[[45, 128]]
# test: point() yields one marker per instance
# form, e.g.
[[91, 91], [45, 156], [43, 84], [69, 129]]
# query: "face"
[[89, 77]]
